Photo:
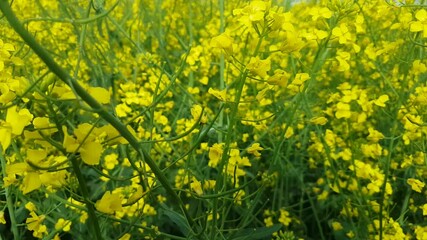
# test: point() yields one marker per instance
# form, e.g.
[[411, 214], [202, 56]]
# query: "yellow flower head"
[[224, 42], [415, 184], [109, 203], [259, 67]]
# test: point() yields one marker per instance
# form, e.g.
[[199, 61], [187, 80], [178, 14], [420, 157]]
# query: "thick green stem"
[[93, 220], [95, 105]]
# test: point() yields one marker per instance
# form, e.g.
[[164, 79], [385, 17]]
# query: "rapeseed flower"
[[62, 224], [342, 33], [215, 154], [421, 24], [109, 203], [14, 125], [415, 184], [35, 224], [259, 67], [224, 42]]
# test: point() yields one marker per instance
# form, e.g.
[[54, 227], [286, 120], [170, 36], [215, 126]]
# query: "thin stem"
[[221, 67]]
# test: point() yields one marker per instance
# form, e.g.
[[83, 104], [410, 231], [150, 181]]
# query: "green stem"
[[384, 185], [95, 105], [93, 219], [10, 206], [221, 67], [221, 178]]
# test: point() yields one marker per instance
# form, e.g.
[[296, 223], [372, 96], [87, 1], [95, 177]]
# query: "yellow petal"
[[109, 203], [100, 94], [16, 168], [36, 156], [136, 195], [69, 143], [41, 122], [5, 137], [221, 95], [381, 100], [196, 186], [416, 27], [91, 153], [223, 41], [319, 120], [85, 132], [18, 119], [31, 182], [421, 15]]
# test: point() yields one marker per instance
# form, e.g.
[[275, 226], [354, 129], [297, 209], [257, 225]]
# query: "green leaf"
[[179, 220]]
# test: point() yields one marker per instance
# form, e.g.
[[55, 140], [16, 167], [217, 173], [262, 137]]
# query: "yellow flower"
[[342, 33], [268, 221], [350, 234], [254, 12], [62, 224], [14, 125], [300, 78], [2, 219], [381, 100], [215, 154], [374, 135], [136, 195], [34, 223], [31, 179], [123, 110], [30, 206], [196, 186], [337, 226], [5, 50], [224, 42], [43, 124], [110, 161], [280, 78], [319, 120], [220, 94], [210, 216], [424, 208], [259, 67], [343, 60], [373, 150], [416, 184], [126, 236], [91, 152], [254, 148], [109, 203], [18, 119], [31, 182], [284, 217], [320, 12], [209, 184], [196, 112], [238, 196], [100, 94], [90, 148], [5, 136], [343, 110], [421, 24]]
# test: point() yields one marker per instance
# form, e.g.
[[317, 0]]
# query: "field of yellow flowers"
[[203, 119]]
